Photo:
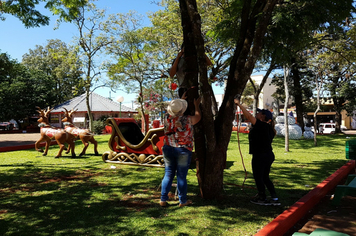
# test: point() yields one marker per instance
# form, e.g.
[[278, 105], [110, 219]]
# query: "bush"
[[99, 126]]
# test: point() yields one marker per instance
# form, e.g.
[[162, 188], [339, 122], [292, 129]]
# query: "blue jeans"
[[176, 161]]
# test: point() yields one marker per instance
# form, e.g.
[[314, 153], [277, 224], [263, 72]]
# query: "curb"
[[23, 147], [285, 221]]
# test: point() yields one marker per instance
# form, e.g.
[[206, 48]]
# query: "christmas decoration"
[[308, 133], [295, 132], [173, 86]]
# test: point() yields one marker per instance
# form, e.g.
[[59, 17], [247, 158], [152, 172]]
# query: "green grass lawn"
[[85, 196]]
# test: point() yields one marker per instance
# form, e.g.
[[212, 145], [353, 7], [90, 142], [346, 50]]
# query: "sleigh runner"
[[129, 146]]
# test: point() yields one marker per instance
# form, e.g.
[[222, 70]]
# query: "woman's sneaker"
[[260, 201], [275, 202]]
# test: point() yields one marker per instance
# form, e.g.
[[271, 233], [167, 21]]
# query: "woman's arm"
[[246, 113], [174, 67], [197, 116]]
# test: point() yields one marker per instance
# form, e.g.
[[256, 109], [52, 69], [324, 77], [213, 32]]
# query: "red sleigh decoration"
[[129, 146]]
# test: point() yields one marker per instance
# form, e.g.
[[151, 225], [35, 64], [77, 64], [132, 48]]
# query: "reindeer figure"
[[83, 134], [48, 133]]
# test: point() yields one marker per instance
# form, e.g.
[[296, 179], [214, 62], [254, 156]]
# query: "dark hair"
[[267, 113]]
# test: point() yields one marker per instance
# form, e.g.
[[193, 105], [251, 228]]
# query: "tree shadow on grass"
[[92, 199], [69, 202]]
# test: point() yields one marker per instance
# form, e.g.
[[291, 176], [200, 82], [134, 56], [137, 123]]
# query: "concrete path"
[[18, 139]]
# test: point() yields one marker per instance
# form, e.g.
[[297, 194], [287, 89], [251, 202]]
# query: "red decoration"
[[173, 86]]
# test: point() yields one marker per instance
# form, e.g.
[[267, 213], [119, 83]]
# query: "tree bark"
[[87, 101], [286, 125], [297, 94]]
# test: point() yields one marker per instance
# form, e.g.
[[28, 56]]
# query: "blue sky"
[[16, 40]]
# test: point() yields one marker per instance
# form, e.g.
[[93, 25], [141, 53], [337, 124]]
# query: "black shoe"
[[260, 201]]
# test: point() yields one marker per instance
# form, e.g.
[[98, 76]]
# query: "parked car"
[[6, 126], [342, 128], [244, 127], [327, 128]]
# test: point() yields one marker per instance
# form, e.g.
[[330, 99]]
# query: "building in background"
[[99, 105], [265, 99]]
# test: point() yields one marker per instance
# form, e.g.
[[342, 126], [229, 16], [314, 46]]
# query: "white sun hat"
[[177, 107]]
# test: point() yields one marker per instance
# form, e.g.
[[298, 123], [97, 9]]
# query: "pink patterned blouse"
[[178, 131]]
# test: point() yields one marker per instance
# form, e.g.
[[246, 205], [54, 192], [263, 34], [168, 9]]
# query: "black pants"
[[261, 167]]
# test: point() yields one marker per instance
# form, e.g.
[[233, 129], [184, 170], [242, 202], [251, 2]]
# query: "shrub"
[[99, 126]]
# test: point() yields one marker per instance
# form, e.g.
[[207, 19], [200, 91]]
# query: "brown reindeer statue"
[[49, 133], [83, 134]]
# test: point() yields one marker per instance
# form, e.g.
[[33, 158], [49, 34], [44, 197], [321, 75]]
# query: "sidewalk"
[[350, 132], [19, 141]]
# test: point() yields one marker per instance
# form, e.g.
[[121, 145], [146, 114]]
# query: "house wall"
[[56, 118], [265, 98]]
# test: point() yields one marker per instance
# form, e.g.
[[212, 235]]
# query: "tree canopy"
[[22, 89], [61, 64], [28, 11]]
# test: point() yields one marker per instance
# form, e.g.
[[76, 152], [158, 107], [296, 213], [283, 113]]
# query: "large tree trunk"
[[209, 165], [213, 136]]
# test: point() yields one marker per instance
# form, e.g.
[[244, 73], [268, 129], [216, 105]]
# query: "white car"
[[327, 128]]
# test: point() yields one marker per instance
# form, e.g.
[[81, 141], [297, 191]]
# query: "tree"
[[134, 66], [22, 89], [253, 20], [286, 123], [340, 59], [246, 23], [333, 62], [301, 20], [169, 39], [27, 11], [319, 82], [61, 64], [93, 38]]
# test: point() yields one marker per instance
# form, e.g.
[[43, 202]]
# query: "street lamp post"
[[120, 99]]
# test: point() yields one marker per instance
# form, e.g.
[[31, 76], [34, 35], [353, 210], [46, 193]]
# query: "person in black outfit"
[[260, 146]]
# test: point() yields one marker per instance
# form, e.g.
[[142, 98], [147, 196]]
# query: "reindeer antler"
[[69, 113], [39, 110], [66, 111], [72, 111], [48, 111]]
